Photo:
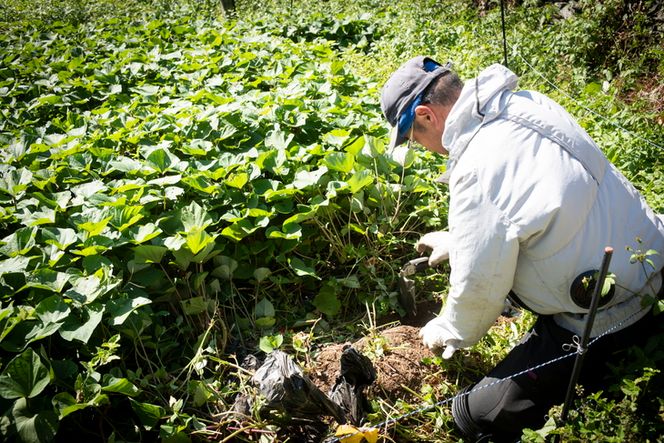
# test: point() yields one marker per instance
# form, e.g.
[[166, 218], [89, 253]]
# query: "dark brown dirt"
[[396, 352]]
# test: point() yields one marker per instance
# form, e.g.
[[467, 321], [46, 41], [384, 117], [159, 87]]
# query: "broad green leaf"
[[194, 305], [125, 216], [261, 274], [279, 194], [336, 137], [340, 161], [226, 266], [120, 386], [264, 308], [24, 376], [15, 182], [12, 265], [183, 256], [194, 217], [326, 301], [34, 427], [44, 217], [145, 232], [18, 243], [95, 227], [65, 404], [81, 328], [120, 308], [304, 179], [301, 268], [278, 140], [359, 180], [237, 180], [149, 253], [239, 230], [147, 413], [85, 289], [269, 343], [52, 310], [197, 239], [291, 231], [48, 279], [59, 237]]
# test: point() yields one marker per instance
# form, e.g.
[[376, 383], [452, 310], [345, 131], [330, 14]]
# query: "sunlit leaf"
[[82, 327], [24, 376], [38, 427], [301, 268], [340, 161]]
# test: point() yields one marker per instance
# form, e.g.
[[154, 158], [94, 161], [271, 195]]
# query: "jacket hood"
[[481, 100]]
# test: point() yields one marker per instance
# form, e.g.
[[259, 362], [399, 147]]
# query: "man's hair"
[[444, 90]]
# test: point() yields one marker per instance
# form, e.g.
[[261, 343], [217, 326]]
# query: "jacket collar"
[[481, 100]]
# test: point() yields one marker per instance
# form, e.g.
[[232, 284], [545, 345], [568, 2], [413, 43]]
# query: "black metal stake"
[[578, 362], [502, 20]]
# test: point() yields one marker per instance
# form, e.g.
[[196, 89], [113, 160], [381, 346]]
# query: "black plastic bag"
[[357, 372], [293, 401]]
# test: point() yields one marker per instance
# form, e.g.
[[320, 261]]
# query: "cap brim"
[[395, 138]]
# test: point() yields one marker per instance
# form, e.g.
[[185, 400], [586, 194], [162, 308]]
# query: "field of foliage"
[[181, 187]]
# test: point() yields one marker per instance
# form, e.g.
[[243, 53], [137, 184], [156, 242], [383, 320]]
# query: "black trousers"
[[503, 409]]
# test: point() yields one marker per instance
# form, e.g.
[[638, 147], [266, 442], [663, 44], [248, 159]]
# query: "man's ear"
[[425, 115]]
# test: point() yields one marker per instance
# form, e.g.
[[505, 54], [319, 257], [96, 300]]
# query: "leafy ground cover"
[[179, 189]]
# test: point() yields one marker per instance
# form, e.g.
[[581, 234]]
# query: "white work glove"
[[433, 337], [439, 243]]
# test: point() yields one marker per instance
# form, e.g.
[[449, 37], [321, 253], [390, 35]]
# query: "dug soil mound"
[[397, 354]]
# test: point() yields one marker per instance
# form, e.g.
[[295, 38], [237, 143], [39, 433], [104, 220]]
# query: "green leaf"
[[85, 289], [237, 180], [18, 243], [239, 230], [52, 310], [304, 179], [194, 217], [120, 386], [146, 232], [264, 308], [95, 227], [47, 279], [197, 239], [326, 301], [269, 343], [33, 427], [261, 274], [120, 308], [360, 180], [194, 305], [340, 161], [278, 140], [292, 231], [62, 238], [13, 265], [147, 413], [24, 376], [81, 328], [149, 253], [301, 268], [65, 404]]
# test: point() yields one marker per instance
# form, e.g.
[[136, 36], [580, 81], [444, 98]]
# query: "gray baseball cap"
[[402, 93]]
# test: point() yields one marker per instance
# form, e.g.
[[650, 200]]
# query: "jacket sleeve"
[[483, 258]]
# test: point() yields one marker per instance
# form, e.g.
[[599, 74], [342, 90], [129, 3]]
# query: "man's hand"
[[439, 244], [433, 338]]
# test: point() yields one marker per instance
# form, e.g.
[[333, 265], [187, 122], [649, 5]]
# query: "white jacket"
[[533, 204]]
